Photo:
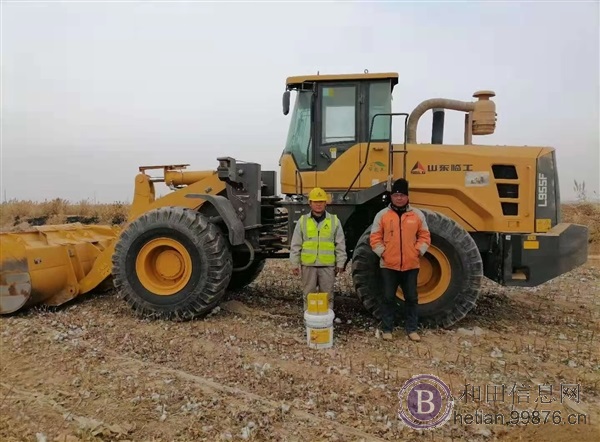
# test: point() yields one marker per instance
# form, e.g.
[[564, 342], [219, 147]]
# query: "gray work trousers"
[[318, 280]]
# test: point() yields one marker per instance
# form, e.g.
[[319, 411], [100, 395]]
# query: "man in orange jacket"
[[400, 236]]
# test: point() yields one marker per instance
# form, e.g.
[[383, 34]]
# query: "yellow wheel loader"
[[493, 211]]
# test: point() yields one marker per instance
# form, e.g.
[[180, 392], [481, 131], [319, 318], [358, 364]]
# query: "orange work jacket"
[[400, 242]]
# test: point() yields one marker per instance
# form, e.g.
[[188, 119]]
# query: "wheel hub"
[[434, 276], [169, 264], [163, 266]]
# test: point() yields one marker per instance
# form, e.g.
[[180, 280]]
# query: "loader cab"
[[332, 113]]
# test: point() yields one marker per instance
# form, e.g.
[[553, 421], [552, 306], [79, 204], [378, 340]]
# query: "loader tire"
[[172, 263], [242, 278], [450, 274]]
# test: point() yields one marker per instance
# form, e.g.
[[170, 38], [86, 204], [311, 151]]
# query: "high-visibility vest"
[[318, 247]]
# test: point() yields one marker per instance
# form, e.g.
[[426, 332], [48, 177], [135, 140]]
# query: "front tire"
[[242, 278], [450, 274], [171, 263]]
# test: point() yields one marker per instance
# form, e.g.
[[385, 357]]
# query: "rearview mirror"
[[286, 102]]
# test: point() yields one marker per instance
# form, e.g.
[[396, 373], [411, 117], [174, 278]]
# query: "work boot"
[[414, 336], [387, 336]]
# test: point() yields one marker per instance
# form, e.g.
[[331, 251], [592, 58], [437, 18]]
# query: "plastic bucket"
[[319, 329]]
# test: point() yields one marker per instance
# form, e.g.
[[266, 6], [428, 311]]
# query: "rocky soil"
[[91, 371]]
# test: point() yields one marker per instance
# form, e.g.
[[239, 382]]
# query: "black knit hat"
[[400, 186]]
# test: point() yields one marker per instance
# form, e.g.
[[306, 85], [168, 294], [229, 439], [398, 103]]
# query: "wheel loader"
[[493, 211]]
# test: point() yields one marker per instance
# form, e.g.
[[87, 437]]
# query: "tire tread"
[[205, 236], [368, 287]]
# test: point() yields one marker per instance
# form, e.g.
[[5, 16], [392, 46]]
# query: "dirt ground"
[[92, 371]]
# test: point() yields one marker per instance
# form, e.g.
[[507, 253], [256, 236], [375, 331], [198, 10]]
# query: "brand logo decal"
[[418, 169], [376, 166]]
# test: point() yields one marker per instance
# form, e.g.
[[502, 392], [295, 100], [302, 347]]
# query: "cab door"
[[337, 133], [375, 155]]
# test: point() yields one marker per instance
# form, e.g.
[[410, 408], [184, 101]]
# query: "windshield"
[[298, 141]]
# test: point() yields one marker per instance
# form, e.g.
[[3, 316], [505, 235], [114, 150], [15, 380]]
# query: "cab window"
[[338, 113], [298, 140], [380, 102]]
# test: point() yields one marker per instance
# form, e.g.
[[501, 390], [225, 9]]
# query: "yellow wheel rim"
[[434, 276], [163, 266]]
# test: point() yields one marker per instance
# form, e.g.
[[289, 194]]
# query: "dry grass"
[[16, 214], [587, 214]]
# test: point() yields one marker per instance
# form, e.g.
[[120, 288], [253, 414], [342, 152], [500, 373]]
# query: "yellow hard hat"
[[317, 194]]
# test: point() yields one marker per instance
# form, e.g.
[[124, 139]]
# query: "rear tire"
[[171, 263], [452, 251]]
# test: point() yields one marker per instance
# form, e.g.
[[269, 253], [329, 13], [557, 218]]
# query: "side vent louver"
[[508, 190], [510, 209], [506, 172]]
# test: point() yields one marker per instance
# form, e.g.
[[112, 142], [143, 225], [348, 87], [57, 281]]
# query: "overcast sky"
[[106, 87]]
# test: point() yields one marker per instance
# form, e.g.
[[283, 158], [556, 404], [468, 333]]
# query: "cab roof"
[[296, 81]]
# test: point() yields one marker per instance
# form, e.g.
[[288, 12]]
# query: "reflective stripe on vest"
[[319, 245]]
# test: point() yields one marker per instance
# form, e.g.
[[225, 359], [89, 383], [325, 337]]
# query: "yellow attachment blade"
[[49, 264]]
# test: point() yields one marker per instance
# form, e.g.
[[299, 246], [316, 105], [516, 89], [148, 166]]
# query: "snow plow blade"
[[51, 265]]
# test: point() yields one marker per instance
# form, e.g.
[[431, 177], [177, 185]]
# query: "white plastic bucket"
[[319, 329]]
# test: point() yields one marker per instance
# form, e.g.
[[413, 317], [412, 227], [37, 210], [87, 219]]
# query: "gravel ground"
[[92, 371]]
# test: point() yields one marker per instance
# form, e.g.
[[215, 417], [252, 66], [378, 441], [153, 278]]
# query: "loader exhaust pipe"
[[482, 113], [437, 127]]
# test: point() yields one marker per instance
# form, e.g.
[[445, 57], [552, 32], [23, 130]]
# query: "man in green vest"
[[318, 248]]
